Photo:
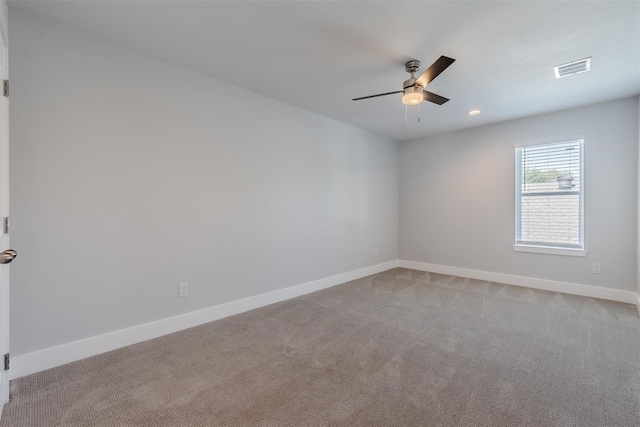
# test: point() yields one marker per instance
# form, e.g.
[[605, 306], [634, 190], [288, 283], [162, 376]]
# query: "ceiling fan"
[[413, 90]]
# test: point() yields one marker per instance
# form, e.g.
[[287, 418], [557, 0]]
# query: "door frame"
[[4, 203]]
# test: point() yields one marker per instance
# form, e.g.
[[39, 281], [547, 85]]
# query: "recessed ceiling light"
[[474, 112]]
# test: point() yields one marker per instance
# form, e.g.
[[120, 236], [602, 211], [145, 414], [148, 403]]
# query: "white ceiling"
[[319, 55]]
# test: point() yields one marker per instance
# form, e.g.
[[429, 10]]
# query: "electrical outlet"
[[596, 268], [183, 290]]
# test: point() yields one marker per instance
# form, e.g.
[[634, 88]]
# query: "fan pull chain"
[[419, 112], [405, 116]]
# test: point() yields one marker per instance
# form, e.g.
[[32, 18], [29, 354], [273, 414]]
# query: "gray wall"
[[130, 175], [457, 196]]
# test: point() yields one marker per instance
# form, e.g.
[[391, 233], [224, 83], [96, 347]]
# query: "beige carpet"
[[401, 348]]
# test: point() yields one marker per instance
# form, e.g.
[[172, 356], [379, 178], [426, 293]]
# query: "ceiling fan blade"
[[432, 97], [374, 96], [434, 71]]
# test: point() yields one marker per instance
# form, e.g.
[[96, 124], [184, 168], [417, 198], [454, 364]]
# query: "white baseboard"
[[529, 282], [37, 361]]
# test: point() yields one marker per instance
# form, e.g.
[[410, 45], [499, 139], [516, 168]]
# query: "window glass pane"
[[549, 195], [562, 228]]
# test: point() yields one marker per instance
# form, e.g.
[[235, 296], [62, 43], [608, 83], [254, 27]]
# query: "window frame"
[[548, 247]]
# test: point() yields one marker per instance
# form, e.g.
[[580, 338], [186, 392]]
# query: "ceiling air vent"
[[575, 67]]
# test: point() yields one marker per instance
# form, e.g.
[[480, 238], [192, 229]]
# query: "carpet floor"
[[399, 348]]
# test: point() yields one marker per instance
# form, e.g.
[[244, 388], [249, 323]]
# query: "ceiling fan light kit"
[[412, 95]]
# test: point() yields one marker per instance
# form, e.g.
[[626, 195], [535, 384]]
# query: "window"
[[549, 198]]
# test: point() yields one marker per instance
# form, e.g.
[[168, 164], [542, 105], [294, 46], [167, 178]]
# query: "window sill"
[[550, 251]]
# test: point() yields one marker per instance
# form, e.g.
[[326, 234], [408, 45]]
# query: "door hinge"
[[6, 362], [6, 87], [5, 225]]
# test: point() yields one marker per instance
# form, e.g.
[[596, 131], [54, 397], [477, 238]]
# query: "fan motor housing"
[[410, 83]]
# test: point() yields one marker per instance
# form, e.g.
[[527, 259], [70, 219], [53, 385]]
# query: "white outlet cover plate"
[[183, 290]]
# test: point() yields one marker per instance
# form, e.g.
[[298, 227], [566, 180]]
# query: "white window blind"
[[549, 195]]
